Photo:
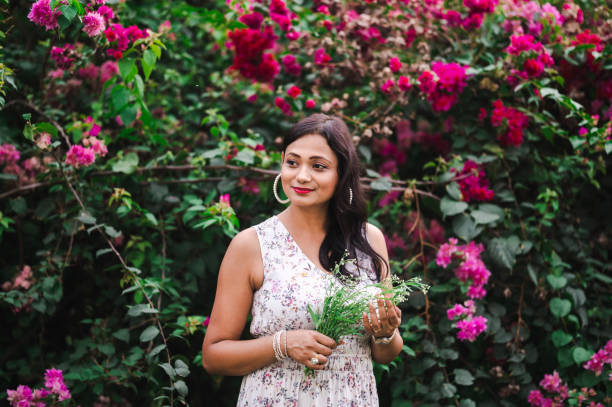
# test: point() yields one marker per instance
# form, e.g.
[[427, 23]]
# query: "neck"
[[310, 219]]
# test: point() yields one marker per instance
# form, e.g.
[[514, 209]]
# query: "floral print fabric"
[[291, 283]]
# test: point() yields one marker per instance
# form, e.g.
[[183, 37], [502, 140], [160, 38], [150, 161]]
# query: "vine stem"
[[520, 316], [126, 267]]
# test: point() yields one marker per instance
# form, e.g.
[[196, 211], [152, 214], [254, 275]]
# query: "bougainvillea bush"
[[138, 137]]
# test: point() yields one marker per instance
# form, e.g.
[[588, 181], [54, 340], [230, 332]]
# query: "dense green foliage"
[[110, 259]]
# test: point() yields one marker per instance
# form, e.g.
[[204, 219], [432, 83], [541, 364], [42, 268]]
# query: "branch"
[[29, 105]]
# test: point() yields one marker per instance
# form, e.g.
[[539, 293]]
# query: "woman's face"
[[309, 172]]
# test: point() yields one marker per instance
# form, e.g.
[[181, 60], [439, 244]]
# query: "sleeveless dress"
[[291, 283]]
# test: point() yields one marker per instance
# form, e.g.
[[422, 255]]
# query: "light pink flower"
[[77, 156], [469, 329], [93, 24]]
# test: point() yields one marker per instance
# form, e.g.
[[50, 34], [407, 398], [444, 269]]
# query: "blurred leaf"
[[560, 307]]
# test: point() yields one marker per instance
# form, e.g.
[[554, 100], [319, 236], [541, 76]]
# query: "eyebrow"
[[314, 157]]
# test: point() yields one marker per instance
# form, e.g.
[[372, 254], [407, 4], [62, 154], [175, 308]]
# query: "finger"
[[374, 323], [316, 366], [366, 324], [325, 340], [382, 311], [322, 349]]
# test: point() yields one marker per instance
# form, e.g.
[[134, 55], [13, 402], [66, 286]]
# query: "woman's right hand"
[[303, 345]]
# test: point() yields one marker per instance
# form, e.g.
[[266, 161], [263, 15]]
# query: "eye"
[[291, 162], [320, 166]]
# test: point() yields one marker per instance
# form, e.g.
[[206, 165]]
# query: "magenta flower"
[[395, 64], [8, 154], [77, 156], [93, 24], [321, 57], [107, 70], [294, 92], [388, 86], [54, 382], [106, 12], [310, 104], [42, 14], [291, 65], [283, 105], [404, 83], [470, 328], [21, 397]]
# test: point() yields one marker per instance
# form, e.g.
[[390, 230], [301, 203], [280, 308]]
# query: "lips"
[[301, 190]]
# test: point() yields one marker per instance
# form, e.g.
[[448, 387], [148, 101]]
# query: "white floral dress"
[[291, 283]]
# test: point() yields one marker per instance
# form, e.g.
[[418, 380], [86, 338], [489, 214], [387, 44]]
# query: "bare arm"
[[223, 352], [389, 315]]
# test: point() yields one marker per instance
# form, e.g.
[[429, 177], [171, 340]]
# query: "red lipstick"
[[301, 190]]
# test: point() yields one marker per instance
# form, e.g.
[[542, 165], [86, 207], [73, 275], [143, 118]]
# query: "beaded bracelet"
[[277, 347]]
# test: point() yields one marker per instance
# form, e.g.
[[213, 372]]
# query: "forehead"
[[311, 145]]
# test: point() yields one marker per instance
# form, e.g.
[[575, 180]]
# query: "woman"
[[274, 270]]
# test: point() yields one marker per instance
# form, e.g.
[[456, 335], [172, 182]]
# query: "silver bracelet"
[[286, 353], [276, 345]]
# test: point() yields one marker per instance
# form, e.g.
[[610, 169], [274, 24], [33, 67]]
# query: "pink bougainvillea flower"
[[107, 70], [20, 397], [63, 56], [42, 14], [249, 57], [8, 154], [77, 156], [252, 20], [252, 98], [294, 92], [54, 382], [388, 86], [224, 200], [291, 65], [321, 58], [473, 183], [470, 328], [310, 104], [292, 35], [323, 9], [93, 24], [395, 64], [512, 121], [404, 83], [106, 12], [283, 105], [600, 358]]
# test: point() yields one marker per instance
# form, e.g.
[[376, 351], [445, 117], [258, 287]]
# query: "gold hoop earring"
[[276, 193]]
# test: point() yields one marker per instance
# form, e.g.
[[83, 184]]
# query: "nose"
[[303, 175]]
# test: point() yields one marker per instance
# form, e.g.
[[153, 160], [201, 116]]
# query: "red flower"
[[294, 91], [321, 57], [395, 64], [310, 104], [404, 83], [283, 105]]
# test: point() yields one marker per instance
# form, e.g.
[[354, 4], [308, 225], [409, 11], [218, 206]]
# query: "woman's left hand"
[[384, 322]]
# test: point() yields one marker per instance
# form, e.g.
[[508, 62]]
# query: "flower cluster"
[[24, 171], [473, 183], [532, 15], [553, 384], [122, 36], [54, 387], [280, 14], [588, 38], [9, 154], [63, 56], [443, 84], [85, 154], [98, 75], [93, 24], [477, 10], [291, 65], [531, 55], [469, 326], [471, 266], [511, 121], [250, 59], [41, 14], [602, 357], [321, 58], [23, 280], [283, 105]]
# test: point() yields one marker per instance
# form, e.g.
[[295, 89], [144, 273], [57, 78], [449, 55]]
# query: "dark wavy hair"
[[346, 222]]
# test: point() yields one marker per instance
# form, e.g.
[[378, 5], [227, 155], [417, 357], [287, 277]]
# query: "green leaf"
[[136, 310], [181, 368], [482, 217], [465, 228], [127, 69], [448, 390], [127, 164], [556, 282], [181, 388], [561, 338], [69, 12], [560, 307], [156, 350], [581, 355], [123, 335], [453, 191], [381, 184], [46, 127], [148, 63], [467, 403], [463, 377], [19, 205], [503, 252], [128, 114], [168, 369], [149, 334], [449, 207], [86, 218], [246, 155], [120, 96]]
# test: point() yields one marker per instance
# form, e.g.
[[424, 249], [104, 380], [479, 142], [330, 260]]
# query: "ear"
[[282, 157]]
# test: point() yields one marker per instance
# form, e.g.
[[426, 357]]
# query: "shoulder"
[[377, 241], [245, 242], [375, 235]]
